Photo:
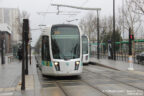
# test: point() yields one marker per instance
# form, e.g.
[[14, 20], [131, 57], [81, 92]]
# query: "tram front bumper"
[[66, 74], [60, 73]]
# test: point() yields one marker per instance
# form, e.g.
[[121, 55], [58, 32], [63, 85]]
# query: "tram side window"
[[45, 48]]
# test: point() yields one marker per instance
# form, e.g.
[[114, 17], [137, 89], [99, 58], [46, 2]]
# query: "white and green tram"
[[85, 49], [60, 50]]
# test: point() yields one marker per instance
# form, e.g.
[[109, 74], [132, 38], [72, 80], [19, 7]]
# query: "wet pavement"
[[10, 74], [94, 81], [10, 80], [119, 65]]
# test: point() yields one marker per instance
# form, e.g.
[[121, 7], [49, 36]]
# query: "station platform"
[[117, 65], [10, 82]]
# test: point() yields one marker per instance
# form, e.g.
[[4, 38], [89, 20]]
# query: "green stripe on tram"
[[47, 63], [65, 36], [81, 64]]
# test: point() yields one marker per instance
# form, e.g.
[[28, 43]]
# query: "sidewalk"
[[10, 80], [8, 58], [118, 65]]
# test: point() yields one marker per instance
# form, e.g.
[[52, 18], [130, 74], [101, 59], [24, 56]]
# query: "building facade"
[[11, 17], [5, 37]]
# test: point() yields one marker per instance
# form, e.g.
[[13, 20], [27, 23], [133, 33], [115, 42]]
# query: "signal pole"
[[131, 38]]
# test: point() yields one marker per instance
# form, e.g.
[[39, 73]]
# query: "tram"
[[85, 49], [59, 50]]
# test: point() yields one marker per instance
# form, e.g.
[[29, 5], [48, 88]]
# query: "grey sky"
[[34, 6]]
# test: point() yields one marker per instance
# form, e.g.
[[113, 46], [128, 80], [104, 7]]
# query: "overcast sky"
[[34, 6]]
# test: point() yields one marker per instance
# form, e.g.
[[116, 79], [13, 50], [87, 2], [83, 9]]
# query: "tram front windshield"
[[65, 42], [85, 45]]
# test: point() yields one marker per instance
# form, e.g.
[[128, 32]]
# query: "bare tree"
[[25, 15], [88, 25], [138, 6], [131, 19]]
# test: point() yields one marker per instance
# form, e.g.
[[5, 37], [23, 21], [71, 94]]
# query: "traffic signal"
[[131, 37]]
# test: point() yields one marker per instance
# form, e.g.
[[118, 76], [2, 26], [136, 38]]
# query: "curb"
[[99, 64]]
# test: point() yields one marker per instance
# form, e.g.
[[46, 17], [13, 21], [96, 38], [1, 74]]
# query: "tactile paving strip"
[[71, 83], [48, 85]]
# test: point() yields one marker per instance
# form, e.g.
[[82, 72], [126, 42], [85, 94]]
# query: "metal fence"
[[122, 50]]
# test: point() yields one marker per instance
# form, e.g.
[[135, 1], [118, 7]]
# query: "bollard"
[[131, 68]]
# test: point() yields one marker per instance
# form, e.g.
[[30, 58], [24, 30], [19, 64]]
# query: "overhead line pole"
[[114, 49], [98, 55]]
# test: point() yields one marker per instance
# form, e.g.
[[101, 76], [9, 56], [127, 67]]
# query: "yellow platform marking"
[[6, 94], [138, 72], [1, 89], [9, 89], [29, 83]]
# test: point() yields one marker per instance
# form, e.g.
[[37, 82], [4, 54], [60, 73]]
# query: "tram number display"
[[57, 33]]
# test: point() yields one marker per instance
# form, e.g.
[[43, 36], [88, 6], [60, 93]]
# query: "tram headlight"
[[57, 66], [77, 62], [56, 63]]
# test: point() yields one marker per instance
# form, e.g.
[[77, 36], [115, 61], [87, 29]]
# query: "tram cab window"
[[45, 48]]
